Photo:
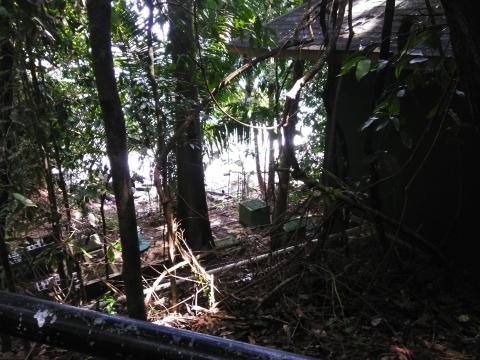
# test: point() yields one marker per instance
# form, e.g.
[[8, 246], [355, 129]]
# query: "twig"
[[148, 292], [300, 175], [30, 352], [275, 289]]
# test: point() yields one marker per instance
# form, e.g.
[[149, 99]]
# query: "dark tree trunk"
[[287, 151], [35, 94], [272, 102], [99, 15], [62, 184], [462, 17], [375, 196], [464, 27], [192, 208]]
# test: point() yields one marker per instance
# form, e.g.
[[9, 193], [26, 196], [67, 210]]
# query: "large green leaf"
[[23, 200], [382, 125], [350, 63], [369, 122], [394, 106], [4, 12], [363, 67]]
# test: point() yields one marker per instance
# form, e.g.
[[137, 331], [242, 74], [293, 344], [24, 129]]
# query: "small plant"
[[115, 246], [108, 304]]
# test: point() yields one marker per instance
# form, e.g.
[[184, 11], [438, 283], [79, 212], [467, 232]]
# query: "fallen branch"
[[149, 292], [231, 265]]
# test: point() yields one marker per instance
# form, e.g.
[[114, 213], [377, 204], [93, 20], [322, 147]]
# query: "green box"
[[294, 227], [254, 212]]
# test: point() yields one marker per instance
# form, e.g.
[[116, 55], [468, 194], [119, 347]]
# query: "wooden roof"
[[367, 20]]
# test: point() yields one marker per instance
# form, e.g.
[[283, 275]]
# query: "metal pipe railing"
[[95, 333]]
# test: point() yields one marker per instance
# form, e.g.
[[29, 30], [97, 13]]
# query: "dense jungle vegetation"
[[347, 228]]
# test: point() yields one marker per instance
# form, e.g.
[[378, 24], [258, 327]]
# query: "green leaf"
[[382, 125], [117, 245], [23, 200], [110, 254], [394, 106], [86, 253], [350, 63], [369, 122], [399, 68], [382, 64], [363, 67], [4, 12], [396, 123], [418, 60]]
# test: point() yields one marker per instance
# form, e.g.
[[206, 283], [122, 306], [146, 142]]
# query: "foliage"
[[108, 304], [408, 72]]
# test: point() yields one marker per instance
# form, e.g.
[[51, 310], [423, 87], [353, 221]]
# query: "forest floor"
[[337, 297]]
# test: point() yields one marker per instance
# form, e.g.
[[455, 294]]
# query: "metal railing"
[[95, 333]]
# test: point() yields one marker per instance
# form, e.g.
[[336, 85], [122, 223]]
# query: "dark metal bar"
[[99, 334]]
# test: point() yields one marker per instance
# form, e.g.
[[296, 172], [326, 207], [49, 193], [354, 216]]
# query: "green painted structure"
[[253, 212]]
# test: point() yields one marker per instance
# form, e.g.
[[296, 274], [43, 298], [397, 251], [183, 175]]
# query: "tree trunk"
[[464, 29], [62, 184], [192, 208], [272, 101], [99, 15], [281, 199], [462, 18], [160, 118], [261, 181], [38, 101], [247, 100], [375, 196]]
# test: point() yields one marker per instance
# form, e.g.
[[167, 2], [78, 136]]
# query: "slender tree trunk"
[[160, 117], [99, 15], [37, 100], [375, 196], [62, 184], [272, 101], [261, 181], [285, 164], [247, 100], [103, 198], [160, 173], [191, 197]]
